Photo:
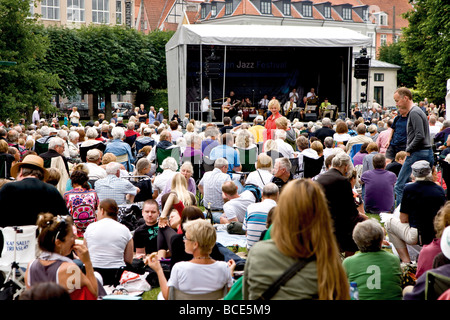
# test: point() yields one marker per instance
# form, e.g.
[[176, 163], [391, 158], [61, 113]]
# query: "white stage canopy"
[[246, 35], [267, 35]]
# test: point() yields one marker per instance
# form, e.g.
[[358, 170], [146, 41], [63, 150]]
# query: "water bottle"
[[209, 214], [354, 294]]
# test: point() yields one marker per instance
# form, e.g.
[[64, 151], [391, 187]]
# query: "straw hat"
[[30, 160]]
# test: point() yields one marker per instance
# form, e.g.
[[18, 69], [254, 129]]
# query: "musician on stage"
[[263, 104], [289, 106]]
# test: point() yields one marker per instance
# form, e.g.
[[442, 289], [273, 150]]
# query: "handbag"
[[285, 277]]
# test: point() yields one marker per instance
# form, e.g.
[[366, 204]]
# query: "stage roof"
[[266, 35]]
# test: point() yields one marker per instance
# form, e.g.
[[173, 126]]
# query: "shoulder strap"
[[285, 277]]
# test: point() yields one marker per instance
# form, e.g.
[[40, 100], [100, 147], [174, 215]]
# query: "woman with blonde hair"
[[274, 107], [263, 173], [301, 230]]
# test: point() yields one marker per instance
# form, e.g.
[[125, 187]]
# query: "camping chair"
[[355, 149], [312, 167], [139, 145], [297, 166], [19, 248], [436, 284], [40, 147], [176, 294], [248, 157], [84, 150], [161, 154], [125, 160], [5, 167]]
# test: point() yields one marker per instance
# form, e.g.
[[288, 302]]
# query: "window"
[[31, 13], [287, 8], [118, 12], [75, 10], [307, 10], [365, 15], [213, 10], [100, 11], [347, 13], [378, 76], [229, 7], [383, 39], [372, 36], [266, 7], [378, 95], [203, 12], [50, 9], [327, 12], [382, 19]]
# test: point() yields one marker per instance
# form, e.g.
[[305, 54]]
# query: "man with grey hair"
[[211, 187], [120, 148], [282, 172], [421, 201], [255, 221], [56, 147], [93, 160], [360, 138], [283, 147], [72, 143], [114, 187], [325, 131]]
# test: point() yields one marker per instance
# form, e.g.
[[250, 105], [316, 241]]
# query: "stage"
[[257, 60]]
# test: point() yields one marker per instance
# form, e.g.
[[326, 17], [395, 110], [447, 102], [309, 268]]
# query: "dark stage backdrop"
[[254, 71]]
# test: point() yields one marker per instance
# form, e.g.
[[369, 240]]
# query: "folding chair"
[[355, 149], [312, 167], [84, 150], [161, 154], [297, 166], [248, 158], [436, 284], [19, 248]]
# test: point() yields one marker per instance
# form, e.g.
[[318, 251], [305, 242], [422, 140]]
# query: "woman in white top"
[[109, 242], [341, 136], [263, 173], [74, 117], [202, 274]]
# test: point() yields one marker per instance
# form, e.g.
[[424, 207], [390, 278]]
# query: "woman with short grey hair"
[[376, 272]]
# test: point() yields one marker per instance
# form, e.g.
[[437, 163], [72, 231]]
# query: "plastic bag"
[[133, 282]]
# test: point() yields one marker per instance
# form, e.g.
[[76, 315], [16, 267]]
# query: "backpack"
[[255, 190]]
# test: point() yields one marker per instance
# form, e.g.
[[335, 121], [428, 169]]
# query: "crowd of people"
[[328, 198]]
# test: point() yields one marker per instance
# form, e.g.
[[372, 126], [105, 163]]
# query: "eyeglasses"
[[186, 239], [62, 225]]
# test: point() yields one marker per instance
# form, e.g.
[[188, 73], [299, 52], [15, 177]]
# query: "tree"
[[114, 60], [406, 76], [426, 46], [24, 85]]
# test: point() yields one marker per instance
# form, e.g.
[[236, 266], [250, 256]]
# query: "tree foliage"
[[97, 59], [406, 76], [426, 46], [25, 84]]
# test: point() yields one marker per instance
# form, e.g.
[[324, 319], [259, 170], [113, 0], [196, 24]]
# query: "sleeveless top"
[[40, 273]]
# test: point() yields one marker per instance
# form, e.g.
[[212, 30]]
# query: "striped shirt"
[[255, 220]]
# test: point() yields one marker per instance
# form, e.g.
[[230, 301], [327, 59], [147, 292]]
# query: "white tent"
[[248, 35]]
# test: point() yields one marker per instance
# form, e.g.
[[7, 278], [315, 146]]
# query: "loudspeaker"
[[310, 117]]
